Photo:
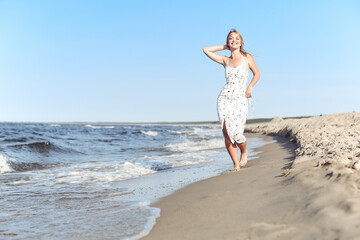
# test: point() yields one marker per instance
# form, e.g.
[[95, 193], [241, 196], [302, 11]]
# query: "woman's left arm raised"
[[255, 78]]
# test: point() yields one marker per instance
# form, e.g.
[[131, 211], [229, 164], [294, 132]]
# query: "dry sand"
[[305, 186]]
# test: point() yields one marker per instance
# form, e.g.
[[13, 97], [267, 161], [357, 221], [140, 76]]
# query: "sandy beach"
[[304, 186]]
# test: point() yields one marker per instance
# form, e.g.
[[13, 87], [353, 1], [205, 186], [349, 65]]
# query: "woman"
[[232, 104]]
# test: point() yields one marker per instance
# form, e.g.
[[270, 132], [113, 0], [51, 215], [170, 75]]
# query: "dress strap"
[[247, 60]]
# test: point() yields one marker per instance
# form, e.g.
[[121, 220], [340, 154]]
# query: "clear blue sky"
[[142, 61]]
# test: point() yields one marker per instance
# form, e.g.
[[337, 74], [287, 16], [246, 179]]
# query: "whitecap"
[[179, 132], [150, 133], [5, 163], [92, 126]]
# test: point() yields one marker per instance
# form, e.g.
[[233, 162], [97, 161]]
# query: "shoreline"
[[305, 186], [215, 208]]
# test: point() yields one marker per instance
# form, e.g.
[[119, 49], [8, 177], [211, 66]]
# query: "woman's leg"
[[243, 158], [231, 148]]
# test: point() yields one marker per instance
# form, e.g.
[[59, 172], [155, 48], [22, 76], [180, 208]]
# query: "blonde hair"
[[242, 50]]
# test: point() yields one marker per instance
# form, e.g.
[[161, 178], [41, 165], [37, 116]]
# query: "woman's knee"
[[242, 145]]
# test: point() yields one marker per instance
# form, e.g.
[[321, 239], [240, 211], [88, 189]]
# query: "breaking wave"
[[8, 164]]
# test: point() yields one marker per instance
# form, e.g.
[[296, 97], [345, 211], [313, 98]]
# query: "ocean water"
[[88, 181]]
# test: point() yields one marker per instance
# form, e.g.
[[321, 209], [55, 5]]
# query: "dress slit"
[[227, 130]]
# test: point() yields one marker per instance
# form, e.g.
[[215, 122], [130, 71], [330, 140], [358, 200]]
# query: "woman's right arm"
[[209, 51]]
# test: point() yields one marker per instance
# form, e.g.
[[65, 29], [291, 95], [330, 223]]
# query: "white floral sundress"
[[232, 105]]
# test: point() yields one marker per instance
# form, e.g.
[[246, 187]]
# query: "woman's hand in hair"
[[210, 52]]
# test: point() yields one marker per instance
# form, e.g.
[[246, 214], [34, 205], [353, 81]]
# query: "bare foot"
[[243, 159], [235, 169]]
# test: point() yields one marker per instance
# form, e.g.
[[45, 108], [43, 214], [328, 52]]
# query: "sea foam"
[[100, 171], [151, 220], [5, 162], [191, 146]]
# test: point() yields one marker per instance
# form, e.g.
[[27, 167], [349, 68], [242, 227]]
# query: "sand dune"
[[326, 140], [328, 161]]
